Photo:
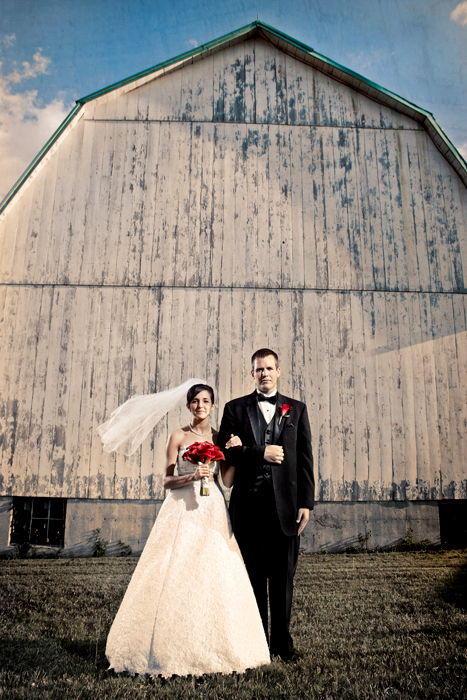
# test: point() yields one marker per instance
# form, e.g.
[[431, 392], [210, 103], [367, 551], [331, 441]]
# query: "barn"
[[248, 193]]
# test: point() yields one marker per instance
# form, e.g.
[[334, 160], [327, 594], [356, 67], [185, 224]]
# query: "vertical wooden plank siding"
[[414, 393], [356, 234], [245, 200]]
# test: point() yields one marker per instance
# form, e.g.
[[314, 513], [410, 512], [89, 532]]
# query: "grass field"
[[386, 625]]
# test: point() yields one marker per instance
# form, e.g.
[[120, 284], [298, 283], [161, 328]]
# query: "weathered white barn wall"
[[231, 205], [129, 521], [335, 527], [383, 375], [252, 82], [241, 201]]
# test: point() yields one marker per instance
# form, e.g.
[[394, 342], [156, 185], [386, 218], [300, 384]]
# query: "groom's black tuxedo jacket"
[[292, 480]]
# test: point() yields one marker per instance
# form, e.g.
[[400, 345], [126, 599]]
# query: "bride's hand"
[[201, 471], [233, 442]]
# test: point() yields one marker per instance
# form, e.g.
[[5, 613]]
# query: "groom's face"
[[265, 373]]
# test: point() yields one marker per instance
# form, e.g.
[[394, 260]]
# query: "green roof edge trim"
[[9, 196], [165, 64], [258, 24]]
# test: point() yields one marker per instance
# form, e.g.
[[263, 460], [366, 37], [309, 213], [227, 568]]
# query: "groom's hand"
[[274, 454], [302, 518]]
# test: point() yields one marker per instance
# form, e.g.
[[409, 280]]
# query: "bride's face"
[[201, 405]]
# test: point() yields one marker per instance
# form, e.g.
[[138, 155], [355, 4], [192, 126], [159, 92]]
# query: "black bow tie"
[[271, 399]]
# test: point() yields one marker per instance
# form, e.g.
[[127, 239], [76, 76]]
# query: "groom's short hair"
[[261, 354]]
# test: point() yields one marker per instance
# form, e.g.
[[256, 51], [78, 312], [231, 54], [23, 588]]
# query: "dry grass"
[[368, 626]]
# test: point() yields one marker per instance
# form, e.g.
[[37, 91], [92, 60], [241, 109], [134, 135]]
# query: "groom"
[[273, 491]]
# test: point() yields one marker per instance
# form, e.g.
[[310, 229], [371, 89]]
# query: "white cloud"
[[25, 123], [193, 43], [40, 65], [459, 13], [7, 40]]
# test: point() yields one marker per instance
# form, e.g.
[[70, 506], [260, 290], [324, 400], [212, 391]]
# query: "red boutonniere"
[[284, 408]]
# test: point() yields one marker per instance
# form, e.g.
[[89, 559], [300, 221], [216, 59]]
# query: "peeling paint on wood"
[[385, 401], [246, 200]]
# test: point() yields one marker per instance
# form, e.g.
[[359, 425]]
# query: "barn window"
[[38, 521], [453, 523]]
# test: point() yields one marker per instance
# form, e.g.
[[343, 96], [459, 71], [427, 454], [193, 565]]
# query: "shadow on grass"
[[52, 655], [455, 592]]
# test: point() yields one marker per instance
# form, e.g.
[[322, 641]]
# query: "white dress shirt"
[[268, 409]]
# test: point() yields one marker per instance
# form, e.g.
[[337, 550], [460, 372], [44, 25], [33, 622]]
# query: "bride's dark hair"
[[195, 390]]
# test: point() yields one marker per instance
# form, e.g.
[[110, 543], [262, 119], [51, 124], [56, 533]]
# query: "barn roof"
[[290, 46]]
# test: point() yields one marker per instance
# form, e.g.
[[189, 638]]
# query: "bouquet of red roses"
[[203, 453]]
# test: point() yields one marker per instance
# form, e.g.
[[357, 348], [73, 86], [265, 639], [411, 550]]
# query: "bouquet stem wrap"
[[204, 490]]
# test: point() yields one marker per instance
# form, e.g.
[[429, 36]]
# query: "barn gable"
[[248, 193]]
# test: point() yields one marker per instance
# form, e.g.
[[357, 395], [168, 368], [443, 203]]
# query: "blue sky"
[[54, 51]]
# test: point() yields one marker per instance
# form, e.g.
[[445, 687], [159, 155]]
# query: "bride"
[[189, 607]]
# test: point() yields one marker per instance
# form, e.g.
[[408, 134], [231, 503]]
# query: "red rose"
[[284, 408], [204, 452]]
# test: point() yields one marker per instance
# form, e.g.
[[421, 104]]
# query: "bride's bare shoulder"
[[179, 436]]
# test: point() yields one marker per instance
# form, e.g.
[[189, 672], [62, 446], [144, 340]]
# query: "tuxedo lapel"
[[252, 410], [278, 423]]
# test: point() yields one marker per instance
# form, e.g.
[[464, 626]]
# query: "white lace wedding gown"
[[189, 607]]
